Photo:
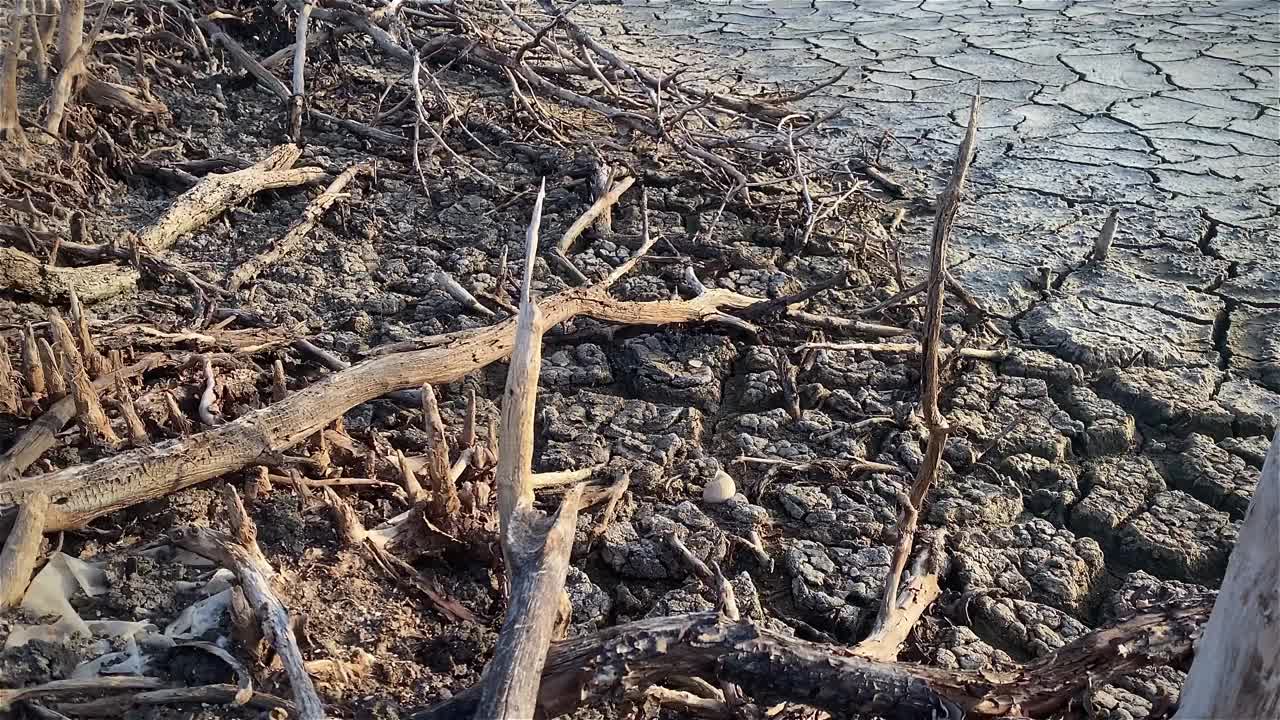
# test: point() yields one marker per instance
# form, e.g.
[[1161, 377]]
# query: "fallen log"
[[215, 194], [592, 668], [80, 494], [24, 274]]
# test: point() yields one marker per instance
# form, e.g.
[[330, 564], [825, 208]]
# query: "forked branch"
[[535, 548]]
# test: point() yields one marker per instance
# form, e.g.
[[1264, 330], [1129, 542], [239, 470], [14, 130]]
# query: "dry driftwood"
[[297, 232], [536, 548], [80, 494], [22, 273], [240, 553], [592, 668], [215, 194], [18, 558], [76, 687], [1236, 672]]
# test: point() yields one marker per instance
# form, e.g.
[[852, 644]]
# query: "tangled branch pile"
[[154, 423]]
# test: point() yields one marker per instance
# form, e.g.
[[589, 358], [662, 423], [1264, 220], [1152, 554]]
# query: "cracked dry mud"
[[1105, 464], [1146, 378]]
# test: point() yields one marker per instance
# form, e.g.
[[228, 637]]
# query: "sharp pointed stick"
[[88, 404], [133, 423], [8, 389], [94, 360], [32, 367], [52, 371], [444, 493], [536, 552]]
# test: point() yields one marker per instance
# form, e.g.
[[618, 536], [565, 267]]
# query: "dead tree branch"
[[535, 547], [297, 232], [589, 669], [216, 194], [934, 420]]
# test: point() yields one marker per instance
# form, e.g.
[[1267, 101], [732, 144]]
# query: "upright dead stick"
[[32, 368], [70, 29], [10, 123], [1236, 673], [73, 53], [18, 558], [96, 363], [215, 194], [298, 231], [444, 492], [515, 456], [42, 434], [240, 553], [52, 370], [88, 404], [537, 556], [297, 102], [1102, 244], [39, 43], [9, 395], [129, 412], [948, 206]]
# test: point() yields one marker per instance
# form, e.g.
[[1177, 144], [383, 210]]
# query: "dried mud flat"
[[1108, 425]]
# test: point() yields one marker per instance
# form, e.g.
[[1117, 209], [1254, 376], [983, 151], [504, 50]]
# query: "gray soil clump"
[[1177, 537]]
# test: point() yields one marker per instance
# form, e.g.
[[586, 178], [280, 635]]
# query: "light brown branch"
[[18, 559], [215, 194], [298, 231], [597, 209]]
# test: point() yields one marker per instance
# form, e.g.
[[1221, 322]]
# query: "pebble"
[[720, 489]]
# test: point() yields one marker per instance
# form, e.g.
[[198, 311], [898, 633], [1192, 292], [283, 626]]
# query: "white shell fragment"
[[720, 489]]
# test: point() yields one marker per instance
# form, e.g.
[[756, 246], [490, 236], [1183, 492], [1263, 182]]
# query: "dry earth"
[[1105, 463]]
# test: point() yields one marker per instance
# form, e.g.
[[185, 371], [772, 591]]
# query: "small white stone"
[[695, 363], [720, 489]]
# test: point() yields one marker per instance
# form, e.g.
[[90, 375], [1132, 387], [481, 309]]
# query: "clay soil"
[[1067, 498]]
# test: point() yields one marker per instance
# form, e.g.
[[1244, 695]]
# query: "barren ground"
[[1104, 461]]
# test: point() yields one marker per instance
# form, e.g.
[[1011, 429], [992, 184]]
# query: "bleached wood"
[[1236, 672]]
